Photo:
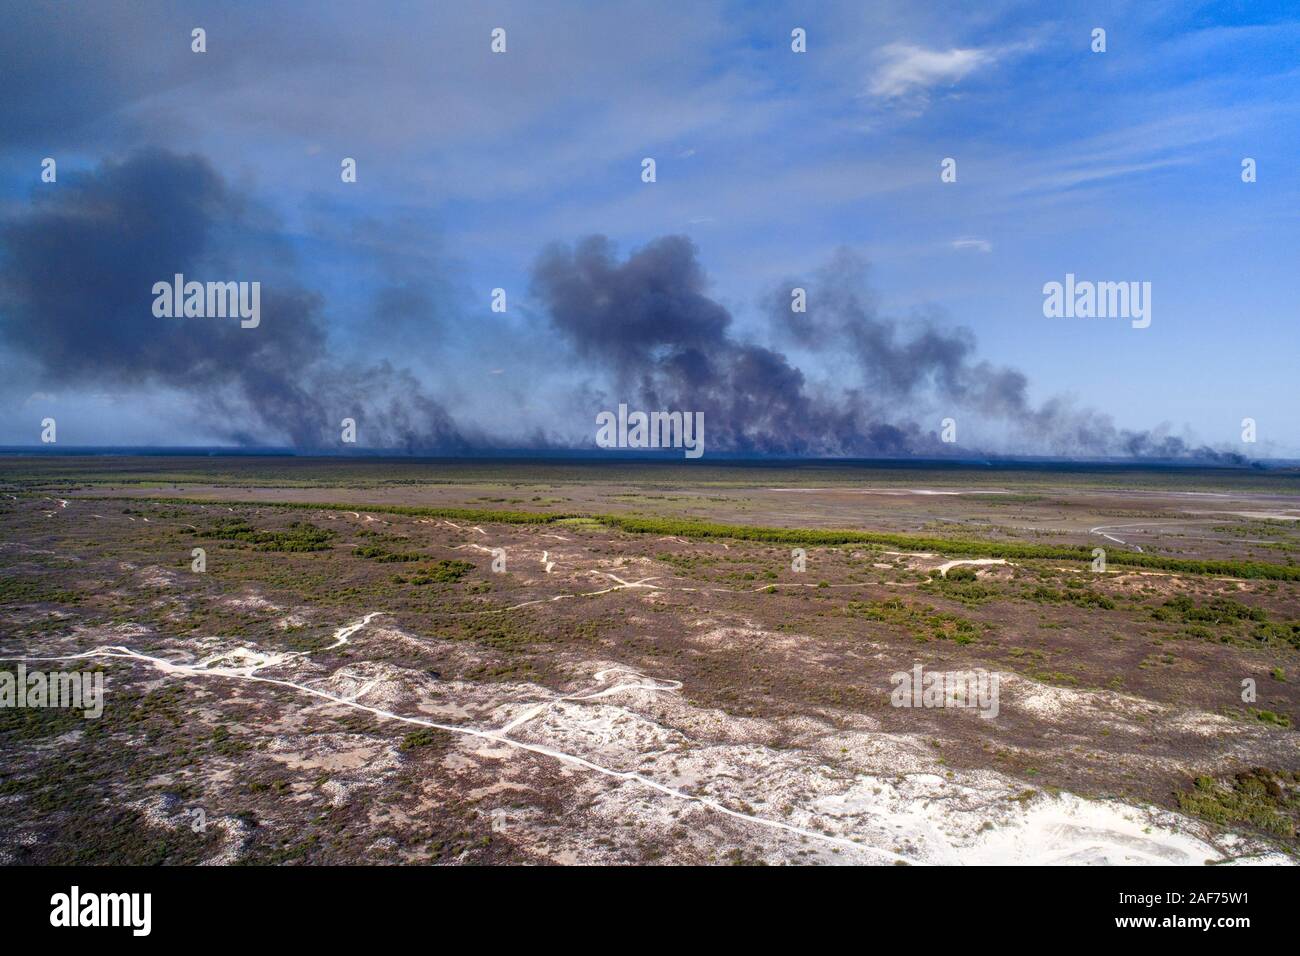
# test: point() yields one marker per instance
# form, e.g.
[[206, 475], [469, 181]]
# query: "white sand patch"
[[251, 602], [167, 811], [737, 636], [501, 786], [947, 822], [1108, 709], [1257, 515], [457, 762], [156, 577], [337, 791], [345, 754], [893, 491], [947, 566], [373, 683]]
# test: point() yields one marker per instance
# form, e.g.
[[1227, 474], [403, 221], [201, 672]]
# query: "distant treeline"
[[685, 528]]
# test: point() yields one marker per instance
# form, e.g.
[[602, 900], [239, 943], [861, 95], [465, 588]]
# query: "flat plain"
[[453, 661]]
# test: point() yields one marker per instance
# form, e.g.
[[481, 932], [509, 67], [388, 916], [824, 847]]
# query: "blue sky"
[[1116, 166]]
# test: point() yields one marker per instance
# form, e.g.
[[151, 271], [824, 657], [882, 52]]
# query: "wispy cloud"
[[972, 243], [906, 70]]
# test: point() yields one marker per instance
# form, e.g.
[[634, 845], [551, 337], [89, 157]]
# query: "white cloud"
[[971, 242], [906, 69]]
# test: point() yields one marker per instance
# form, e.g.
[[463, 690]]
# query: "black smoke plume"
[[76, 273], [648, 321]]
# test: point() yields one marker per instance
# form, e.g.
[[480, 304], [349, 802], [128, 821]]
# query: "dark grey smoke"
[[77, 269], [650, 323], [76, 273], [927, 360], [667, 345]]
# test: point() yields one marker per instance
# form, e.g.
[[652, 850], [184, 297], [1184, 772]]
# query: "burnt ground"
[[751, 701]]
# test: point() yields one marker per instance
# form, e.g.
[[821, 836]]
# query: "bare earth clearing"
[[350, 684]]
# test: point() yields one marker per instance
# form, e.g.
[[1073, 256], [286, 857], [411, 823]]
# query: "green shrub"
[[442, 572]]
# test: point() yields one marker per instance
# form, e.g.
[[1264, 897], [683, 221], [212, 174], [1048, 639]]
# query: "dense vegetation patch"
[[1220, 610], [1266, 799], [1073, 593], [1226, 621], [440, 572], [962, 584], [920, 620], [298, 536], [18, 591], [425, 737], [373, 552]]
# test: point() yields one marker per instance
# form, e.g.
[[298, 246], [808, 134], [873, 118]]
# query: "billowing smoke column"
[[75, 279], [648, 322], [666, 344]]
